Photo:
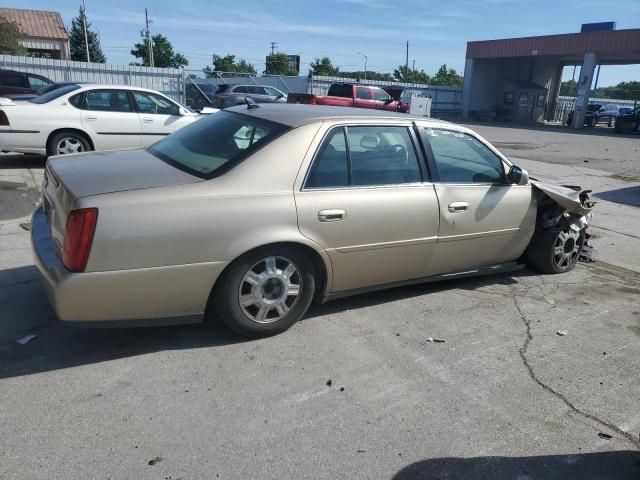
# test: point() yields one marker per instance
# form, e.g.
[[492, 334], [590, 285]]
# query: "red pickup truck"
[[353, 95]]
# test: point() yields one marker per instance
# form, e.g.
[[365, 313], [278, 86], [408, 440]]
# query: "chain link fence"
[[565, 105]]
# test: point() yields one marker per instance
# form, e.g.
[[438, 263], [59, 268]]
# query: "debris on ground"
[[342, 389], [329, 383], [154, 460], [434, 340], [27, 339], [606, 436], [588, 252], [562, 333], [26, 226]]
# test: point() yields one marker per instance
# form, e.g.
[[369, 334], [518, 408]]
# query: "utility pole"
[[84, 24], [273, 47], [146, 33], [406, 63]]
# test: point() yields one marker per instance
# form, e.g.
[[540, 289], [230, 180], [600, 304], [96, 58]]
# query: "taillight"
[[78, 237], [4, 121]]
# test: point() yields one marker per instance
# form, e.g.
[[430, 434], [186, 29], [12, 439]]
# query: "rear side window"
[[340, 91], [107, 101], [363, 93], [461, 158], [14, 81], [215, 144], [241, 89], [365, 156]]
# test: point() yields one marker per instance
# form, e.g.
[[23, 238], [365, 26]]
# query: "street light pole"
[[365, 64]]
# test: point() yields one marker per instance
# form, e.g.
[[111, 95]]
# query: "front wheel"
[[556, 251], [265, 291]]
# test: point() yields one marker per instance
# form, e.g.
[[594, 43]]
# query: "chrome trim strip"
[[398, 243]]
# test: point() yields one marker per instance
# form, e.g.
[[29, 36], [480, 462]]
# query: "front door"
[[484, 220], [367, 201], [159, 116], [109, 116]]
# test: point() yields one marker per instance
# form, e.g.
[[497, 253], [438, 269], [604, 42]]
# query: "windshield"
[[53, 94], [215, 144]]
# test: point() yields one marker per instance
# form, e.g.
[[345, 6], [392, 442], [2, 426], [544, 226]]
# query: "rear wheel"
[[556, 251], [265, 291], [64, 143]]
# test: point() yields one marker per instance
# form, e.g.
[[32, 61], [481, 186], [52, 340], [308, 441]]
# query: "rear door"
[[159, 116], [484, 220], [110, 118], [366, 199]]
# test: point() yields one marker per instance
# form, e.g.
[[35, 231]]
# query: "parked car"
[[359, 96], [81, 117], [199, 95], [252, 213], [589, 115], [12, 82], [40, 91], [231, 95], [628, 121]]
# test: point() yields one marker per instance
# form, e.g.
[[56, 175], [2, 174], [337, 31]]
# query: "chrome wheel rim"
[[269, 289], [69, 145], [566, 248]]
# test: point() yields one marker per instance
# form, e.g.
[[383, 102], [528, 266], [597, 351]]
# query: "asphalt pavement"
[[534, 377]]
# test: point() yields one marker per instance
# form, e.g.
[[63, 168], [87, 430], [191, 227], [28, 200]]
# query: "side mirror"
[[183, 111], [518, 176]]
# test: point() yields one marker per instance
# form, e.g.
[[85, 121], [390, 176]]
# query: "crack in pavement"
[[523, 355]]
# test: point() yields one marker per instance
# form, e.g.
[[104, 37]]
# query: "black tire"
[[232, 285], [81, 141], [541, 254]]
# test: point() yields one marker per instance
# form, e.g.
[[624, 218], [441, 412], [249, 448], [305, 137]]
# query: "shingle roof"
[[37, 23]]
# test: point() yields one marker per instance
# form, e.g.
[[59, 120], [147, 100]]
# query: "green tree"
[[163, 54], [324, 66], [408, 75], [568, 88], [447, 77], [387, 77], [10, 38], [228, 64], [622, 91], [278, 64], [77, 44]]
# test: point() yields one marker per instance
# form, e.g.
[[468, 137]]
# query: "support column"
[[466, 87], [554, 91], [584, 89]]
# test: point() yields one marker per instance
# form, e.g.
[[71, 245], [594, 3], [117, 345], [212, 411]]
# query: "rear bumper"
[[22, 141], [121, 298]]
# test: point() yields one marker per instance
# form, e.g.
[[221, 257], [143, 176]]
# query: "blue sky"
[[437, 31]]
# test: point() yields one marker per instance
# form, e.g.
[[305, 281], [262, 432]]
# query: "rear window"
[[53, 94], [211, 146]]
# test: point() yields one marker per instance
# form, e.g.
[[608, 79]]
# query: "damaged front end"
[[564, 208]]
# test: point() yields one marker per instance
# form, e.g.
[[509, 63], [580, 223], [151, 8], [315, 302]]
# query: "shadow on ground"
[[601, 131], [617, 465], [26, 311], [624, 196]]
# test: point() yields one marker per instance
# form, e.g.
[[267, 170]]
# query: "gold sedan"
[[254, 212]]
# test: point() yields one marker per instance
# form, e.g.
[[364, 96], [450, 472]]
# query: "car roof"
[[295, 115], [86, 86]]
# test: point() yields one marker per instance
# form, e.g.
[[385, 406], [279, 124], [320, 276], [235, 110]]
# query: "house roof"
[[37, 23]]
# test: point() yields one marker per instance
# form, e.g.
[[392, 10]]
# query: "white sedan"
[[80, 117]]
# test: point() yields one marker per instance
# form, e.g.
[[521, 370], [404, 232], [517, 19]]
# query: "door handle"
[[334, 215], [91, 117], [147, 120], [458, 207]]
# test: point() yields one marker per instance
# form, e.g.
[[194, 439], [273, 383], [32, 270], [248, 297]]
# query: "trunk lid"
[[70, 177]]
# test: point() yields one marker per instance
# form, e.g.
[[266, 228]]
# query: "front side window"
[[107, 101], [461, 158], [381, 95], [365, 156], [214, 144], [363, 93], [273, 92], [152, 103], [37, 82]]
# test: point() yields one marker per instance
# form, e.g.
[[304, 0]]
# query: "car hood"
[[96, 173], [570, 197], [394, 91]]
